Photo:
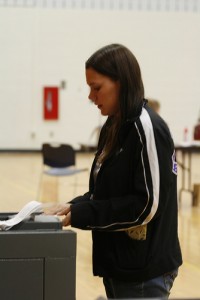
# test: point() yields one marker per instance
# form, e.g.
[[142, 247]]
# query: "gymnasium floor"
[[19, 179]]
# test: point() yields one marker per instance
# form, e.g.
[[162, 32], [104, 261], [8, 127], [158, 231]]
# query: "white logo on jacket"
[[174, 164]]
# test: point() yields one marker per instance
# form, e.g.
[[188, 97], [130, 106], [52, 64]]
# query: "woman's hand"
[[65, 211], [67, 220], [61, 210]]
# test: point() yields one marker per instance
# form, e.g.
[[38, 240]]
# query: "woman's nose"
[[91, 97]]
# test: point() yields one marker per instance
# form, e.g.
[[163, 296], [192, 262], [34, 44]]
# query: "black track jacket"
[[132, 208]]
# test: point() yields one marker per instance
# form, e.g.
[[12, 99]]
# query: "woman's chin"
[[103, 113]]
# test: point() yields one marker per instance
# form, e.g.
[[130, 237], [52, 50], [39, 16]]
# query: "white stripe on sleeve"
[[153, 161]]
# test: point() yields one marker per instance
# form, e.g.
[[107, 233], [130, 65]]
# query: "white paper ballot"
[[25, 212]]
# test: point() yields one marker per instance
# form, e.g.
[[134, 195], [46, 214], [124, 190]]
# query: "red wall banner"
[[50, 103]]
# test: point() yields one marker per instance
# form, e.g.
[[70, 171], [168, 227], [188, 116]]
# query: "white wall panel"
[[149, 5], [41, 47]]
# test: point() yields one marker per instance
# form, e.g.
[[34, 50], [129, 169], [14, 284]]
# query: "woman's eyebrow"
[[91, 84]]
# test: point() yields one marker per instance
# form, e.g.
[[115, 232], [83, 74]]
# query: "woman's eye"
[[96, 88]]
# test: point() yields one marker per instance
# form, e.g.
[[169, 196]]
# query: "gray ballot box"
[[37, 260]]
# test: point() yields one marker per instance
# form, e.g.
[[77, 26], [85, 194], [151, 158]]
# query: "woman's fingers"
[[64, 211], [59, 209], [67, 220]]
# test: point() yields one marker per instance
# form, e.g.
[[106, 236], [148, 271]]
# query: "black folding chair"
[[59, 160]]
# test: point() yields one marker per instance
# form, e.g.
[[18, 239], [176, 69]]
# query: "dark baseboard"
[[20, 150], [39, 150]]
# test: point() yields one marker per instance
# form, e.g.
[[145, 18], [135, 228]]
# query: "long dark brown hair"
[[118, 63]]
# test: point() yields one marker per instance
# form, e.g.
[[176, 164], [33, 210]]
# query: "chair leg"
[[39, 187], [50, 189], [75, 185], [76, 181], [47, 192]]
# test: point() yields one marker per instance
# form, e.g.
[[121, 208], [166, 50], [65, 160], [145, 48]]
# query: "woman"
[[131, 205]]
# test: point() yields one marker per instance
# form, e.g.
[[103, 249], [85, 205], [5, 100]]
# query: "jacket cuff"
[[80, 215]]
